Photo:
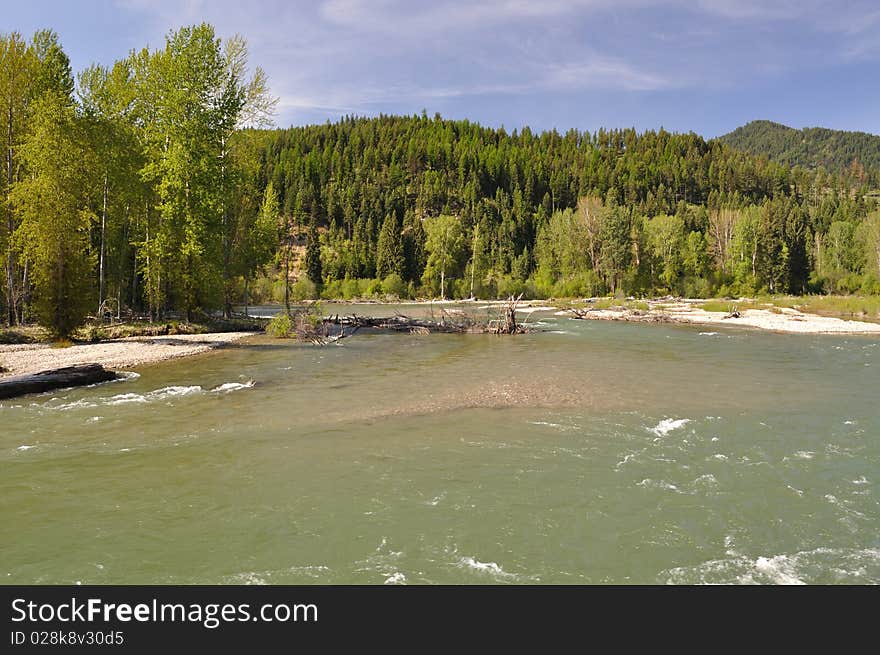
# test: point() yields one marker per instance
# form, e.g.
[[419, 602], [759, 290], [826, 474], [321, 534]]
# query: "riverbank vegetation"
[[150, 187], [93, 332]]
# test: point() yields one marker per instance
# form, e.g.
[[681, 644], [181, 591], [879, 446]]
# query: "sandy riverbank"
[[117, 354], [780, 319]]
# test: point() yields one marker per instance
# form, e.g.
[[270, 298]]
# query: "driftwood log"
[[59, 378]]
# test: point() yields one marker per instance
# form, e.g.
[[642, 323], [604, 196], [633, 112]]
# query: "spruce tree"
[[413, 248], [313, 255], [389, 251]]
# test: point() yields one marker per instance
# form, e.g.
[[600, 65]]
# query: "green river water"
[[592, 452]]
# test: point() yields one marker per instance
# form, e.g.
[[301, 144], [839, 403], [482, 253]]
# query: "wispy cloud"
[[606, 73], [540, 59]]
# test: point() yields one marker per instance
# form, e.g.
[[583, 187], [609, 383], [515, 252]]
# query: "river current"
[[588, 452]]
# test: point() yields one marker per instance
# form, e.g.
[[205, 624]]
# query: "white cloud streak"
[[350, 56]]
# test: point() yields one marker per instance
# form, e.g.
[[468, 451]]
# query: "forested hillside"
[[424, 200], [856, 154], [146, 187]]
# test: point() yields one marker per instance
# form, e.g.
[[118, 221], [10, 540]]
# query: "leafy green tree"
[[665, 239], [720, 236], [695, 255], [244, 102], [106, 97], [479, 256], [53, 73], [870, 239], [55, 219], [18, 70], [616, 246], [746, 235], [270, 215], [445, 245], [563, 245], [841, 253], [189, 99]]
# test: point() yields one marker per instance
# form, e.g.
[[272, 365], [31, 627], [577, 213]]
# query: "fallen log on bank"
[[59, 378]]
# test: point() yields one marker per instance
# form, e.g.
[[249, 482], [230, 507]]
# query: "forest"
[[153, 187], [853, 153]]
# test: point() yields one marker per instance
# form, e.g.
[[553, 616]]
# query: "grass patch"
[[852, 307], [93, 332], [23, 334], [849, 306], [616, 303], [725, 306]]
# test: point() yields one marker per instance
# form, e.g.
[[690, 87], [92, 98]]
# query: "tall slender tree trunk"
[[227, 241], [443, 266], [246, 295], [25, 292], [134, 277], [755, 260], [148, 274], [121, 271], [103, 250], [287, 276], [474, 257], [10, 224]]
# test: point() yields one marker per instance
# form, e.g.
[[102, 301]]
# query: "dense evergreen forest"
[[452, 208], [856, 154], [150, 187]]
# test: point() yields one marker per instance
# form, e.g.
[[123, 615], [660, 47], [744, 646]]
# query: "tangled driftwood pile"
[[334, 328]]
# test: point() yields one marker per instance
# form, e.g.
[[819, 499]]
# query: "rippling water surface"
[[592, 452]]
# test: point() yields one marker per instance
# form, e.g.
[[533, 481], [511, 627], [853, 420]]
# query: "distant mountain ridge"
[[812, 147]]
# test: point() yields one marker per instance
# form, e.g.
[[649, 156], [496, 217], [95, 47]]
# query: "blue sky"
[[701, 65]]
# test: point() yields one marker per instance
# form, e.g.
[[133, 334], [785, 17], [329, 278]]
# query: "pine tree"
[[413, 238], [389, 250], [313, 256]]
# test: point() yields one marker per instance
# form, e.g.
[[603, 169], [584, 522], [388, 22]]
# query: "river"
[[589, 452]]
